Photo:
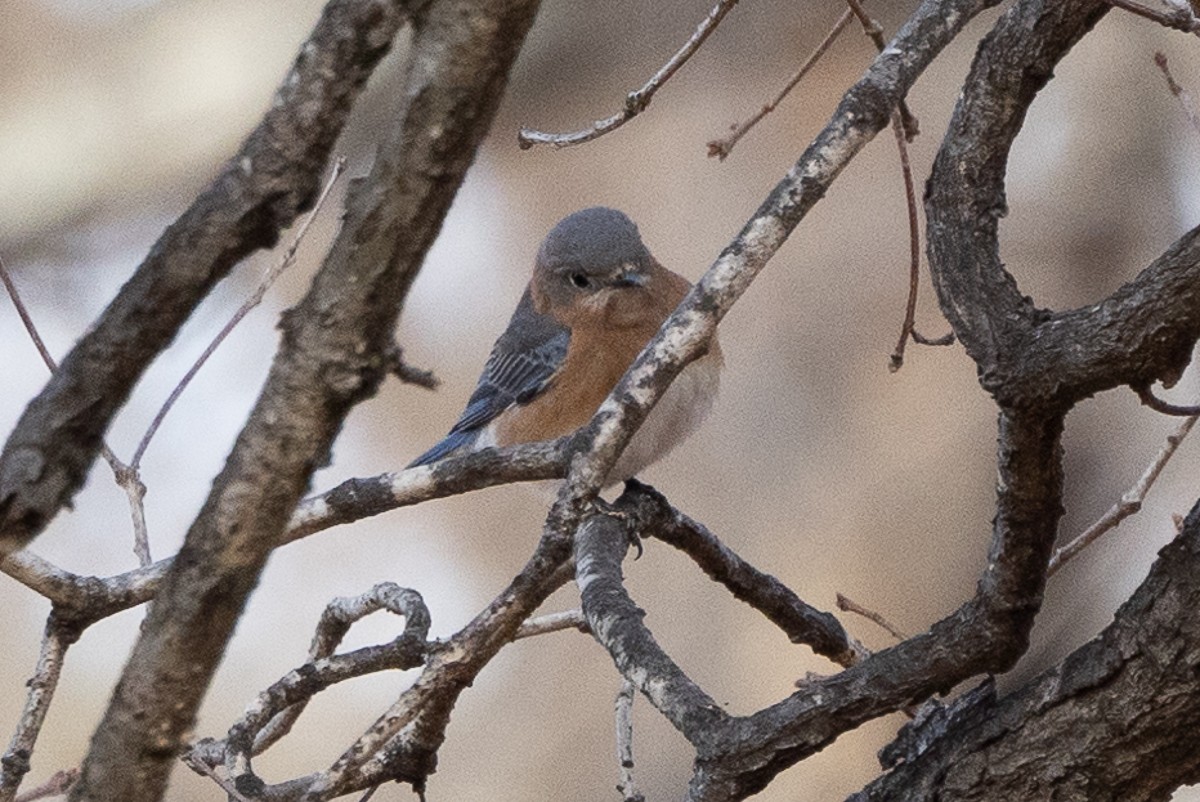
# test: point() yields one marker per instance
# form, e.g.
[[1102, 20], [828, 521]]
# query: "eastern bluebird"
[[596, 298]]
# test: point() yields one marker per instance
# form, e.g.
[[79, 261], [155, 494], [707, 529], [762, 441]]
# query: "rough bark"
[[1113, 721], [334, 353], [259, 192]]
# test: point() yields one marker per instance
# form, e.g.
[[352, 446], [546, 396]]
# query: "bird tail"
[[449, 444]]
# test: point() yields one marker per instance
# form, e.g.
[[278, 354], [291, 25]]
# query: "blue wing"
[[522, 364]]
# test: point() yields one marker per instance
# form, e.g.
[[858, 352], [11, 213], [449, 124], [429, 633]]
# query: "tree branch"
[[821, 631], [271, 715], [260, 191], [14, 763], [333, 354], [864, 110], [616, 622], [1098, 720], [639, 100]]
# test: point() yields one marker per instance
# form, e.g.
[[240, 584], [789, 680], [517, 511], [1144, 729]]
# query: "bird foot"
[[626, 519]]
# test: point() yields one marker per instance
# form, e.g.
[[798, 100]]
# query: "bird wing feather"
[[523, 363]]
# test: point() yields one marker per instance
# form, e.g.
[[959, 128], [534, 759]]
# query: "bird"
[[596, 298]]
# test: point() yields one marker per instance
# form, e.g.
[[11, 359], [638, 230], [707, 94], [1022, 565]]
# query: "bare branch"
[[1148, 398], [921, 339], [59, 783], [402, 743], [90, 598], [331, 357], [409, 374], [334, 624], [801, 623], [616, 622], [1178, 16], [1185, 97], [271, 715], [721, 148], [14, 764], [914, 247], [1102, 709], [1129, 503], [553, 622], [623, 712], [286, 260], [259, 192], [126, 477], [849, 605], [26, 319], [636, 101]]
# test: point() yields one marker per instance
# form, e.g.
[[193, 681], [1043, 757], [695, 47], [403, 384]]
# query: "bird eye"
[[580, 280]]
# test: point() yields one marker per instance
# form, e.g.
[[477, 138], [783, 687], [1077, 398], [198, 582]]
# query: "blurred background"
[[817, 464]]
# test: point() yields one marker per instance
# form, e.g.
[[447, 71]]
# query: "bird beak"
[[630, 277]]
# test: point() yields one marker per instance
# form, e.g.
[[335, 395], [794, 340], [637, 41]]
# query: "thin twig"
[[1148, 398], [1128, 504], [14, 764], [23, 313], [1180, 17], [553, 622], [848, 605], [723, 147], [623, 709], [1185, 97], [914, 247], [871, 28], [408, 373], [637, 101], [126, 477], [921, 339], [226, 786], [289, 256], [59, 783]]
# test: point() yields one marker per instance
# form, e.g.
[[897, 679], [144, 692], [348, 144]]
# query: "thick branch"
[[616, 622], [1108, 718], [1141, 333], [333, 355], [260, 191], [985, 635]]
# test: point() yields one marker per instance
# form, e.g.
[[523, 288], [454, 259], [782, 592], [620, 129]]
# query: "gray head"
[[590, 250]]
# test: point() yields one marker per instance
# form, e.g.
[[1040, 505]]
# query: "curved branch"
[[1026, 356], [1149, 399], [271, 715], [402, 744]]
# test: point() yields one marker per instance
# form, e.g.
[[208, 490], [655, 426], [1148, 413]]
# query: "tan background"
[[817, 464]]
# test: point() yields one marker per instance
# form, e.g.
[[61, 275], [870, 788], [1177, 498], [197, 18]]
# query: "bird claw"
[[626, 519]]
